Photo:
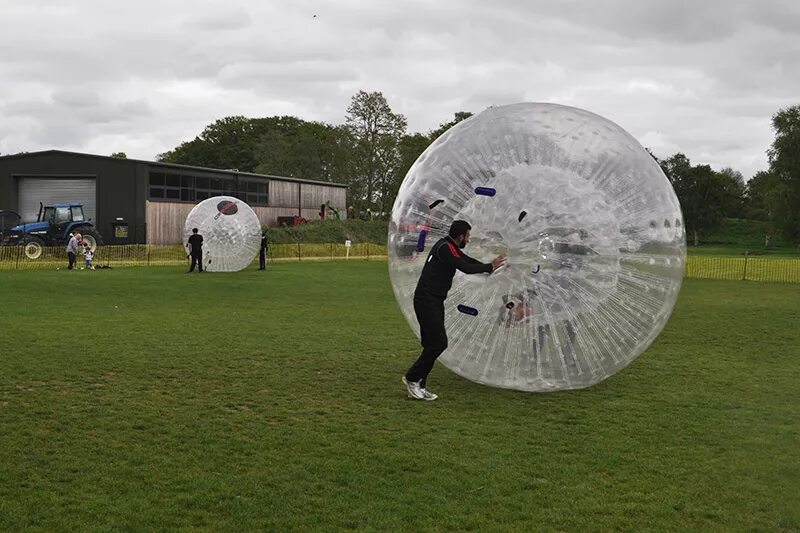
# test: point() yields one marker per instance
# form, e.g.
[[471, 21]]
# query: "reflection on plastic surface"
[[592, 229], [231, 233]]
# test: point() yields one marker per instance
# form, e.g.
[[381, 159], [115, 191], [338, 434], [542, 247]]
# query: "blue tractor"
[[53, 227]]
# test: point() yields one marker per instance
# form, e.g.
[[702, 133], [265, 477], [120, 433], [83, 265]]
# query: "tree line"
[[772, 196], [372, 151]]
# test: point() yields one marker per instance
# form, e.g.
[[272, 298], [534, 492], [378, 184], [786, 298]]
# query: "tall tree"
[[765, 200], [676, 168], [732, 194], [376, 131], [784, 163], [755, 196]]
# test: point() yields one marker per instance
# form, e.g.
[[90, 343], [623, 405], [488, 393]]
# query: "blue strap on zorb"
[[421, 240], [467, 310]]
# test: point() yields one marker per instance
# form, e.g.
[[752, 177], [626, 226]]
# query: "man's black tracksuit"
[[434, 283]]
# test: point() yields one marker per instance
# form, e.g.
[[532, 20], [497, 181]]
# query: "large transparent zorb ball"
[[592, 229], [231, 233]]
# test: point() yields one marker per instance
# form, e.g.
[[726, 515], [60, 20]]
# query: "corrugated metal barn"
[[153, 198]]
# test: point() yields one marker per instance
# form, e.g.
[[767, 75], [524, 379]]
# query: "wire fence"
[[743, 268], [51, 258], [131, 255]]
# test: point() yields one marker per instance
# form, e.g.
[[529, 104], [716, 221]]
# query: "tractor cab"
[[60, 218]]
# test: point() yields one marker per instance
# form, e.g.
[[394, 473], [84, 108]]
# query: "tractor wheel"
[[33, 247], [91, 237]]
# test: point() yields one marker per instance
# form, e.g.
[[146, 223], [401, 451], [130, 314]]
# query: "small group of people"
[[77, 245], [369, 214], [195, 248]]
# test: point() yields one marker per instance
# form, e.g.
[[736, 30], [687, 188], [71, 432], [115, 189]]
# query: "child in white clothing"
[[88, 255]]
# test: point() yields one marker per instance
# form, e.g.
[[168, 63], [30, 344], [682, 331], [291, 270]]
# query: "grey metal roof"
[[174, 165]]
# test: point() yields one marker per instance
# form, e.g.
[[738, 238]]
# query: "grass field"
[[140, 399]]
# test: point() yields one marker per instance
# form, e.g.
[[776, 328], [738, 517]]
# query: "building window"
[[178, 187], [254, 192]]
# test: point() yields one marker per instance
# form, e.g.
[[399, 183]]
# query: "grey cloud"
[[139, 107], [235, 19], [75, 98], [699, 77]]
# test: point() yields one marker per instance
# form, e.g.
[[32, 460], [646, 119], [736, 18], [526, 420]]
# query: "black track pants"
[[430, 315]]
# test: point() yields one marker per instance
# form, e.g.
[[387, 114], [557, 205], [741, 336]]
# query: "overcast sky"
[[702, 77]]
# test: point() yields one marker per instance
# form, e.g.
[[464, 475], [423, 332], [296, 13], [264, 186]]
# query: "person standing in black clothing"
[[196, 250], [262, 253], [434, 283]]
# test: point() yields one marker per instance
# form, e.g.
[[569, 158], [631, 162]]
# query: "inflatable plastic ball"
[[593, 233]]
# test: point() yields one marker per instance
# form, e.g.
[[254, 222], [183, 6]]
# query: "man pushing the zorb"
[[443, 260], [586, 223]]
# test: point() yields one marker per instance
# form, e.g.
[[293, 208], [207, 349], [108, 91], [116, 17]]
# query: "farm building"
[[133, 201]]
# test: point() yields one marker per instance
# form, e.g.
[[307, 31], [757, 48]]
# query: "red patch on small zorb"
[[226, 207]]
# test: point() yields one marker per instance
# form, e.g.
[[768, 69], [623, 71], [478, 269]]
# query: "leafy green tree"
[[766, 200], [119, 155], [289, 146], [376, 131], [784, 162], [676, 168], [732, 194], [755, 196], [228, 143]]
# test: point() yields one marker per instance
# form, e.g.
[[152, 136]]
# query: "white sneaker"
[[413, 389], [427, 395]]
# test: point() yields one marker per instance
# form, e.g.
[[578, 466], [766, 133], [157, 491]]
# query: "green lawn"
[[139, 399]]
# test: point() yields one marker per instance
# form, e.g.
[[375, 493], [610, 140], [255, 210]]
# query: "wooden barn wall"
[[339, 199], [283, 193], [165, 221]]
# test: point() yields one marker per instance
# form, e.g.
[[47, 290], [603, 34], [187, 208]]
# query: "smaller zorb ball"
[[231, 233]]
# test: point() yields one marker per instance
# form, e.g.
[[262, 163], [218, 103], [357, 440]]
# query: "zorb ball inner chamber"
[[593, 233], [231, 233]]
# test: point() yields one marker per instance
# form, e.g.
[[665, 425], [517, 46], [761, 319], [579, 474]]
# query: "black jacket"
[[196, 242], [440, 267]]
